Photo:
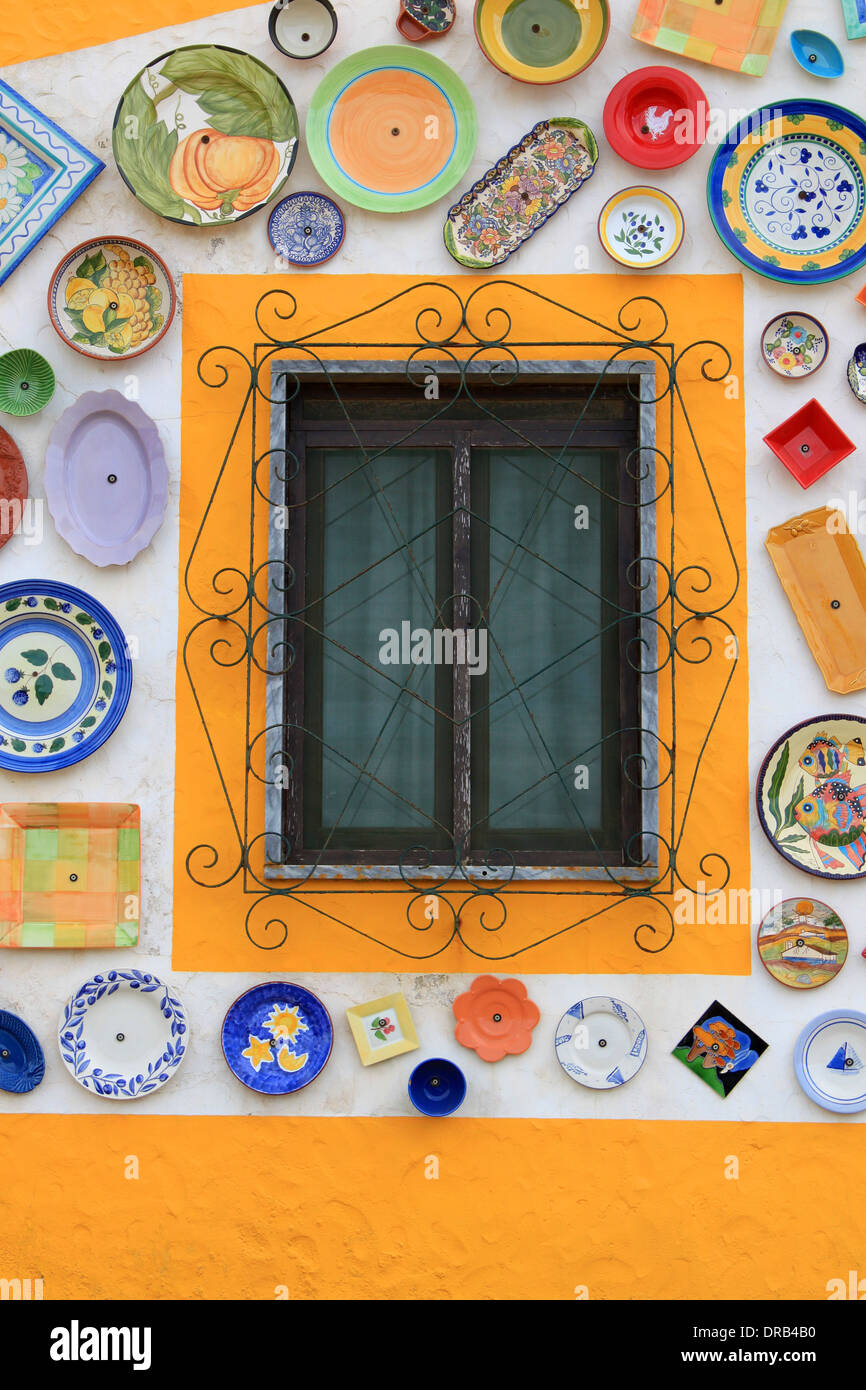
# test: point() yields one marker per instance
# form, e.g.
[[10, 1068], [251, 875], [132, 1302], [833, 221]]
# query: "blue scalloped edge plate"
[[22, 1062]]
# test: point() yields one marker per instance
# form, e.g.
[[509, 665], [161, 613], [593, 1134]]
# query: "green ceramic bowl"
[[26, 382]]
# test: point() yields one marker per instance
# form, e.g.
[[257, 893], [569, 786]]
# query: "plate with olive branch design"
[[65, 675], [641, 227], [123, 1034]]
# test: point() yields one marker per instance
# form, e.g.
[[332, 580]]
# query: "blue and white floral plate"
[[65, 675], [306, 229], [22, 1064], [277, 1037], [601, 1042], [830, 1060], [123, 1034]]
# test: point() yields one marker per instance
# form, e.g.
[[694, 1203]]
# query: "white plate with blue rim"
[[830, 1060], [601, 1042], [123, 1034]]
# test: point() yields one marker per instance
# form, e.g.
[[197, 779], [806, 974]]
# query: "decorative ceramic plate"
[[391, 129], [817, 53], [26, 382], [641, 227], [854, 14], [42, 173], [803, 943], [601, 1042], [787, 191], [205, 135], [734, 34], [277, 1037], [65, 675], [495, 1018], [14, 486], [106, 480], [302, 28], [382, 1028], [811, 796], [420, 20], [512, 200], [306, 229], [857, 371], [71, 874], [794, 344], [123, 1034], [111, 298], [656, 117], [830, 1061], [720, 1049], [541, 41], [22, 1064], [809, 443]]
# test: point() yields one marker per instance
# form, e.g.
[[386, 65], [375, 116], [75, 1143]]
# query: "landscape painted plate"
[[123, 1034], [111, 298], [601, 1042], [830, 1061], [277, 1037], [803, 943]]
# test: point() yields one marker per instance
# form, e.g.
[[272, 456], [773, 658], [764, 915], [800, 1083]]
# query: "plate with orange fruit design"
[[112, 297], [205, 135]]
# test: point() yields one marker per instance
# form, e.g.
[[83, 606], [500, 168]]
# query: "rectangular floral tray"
[[734, 34], [512, 200], [69, 874]]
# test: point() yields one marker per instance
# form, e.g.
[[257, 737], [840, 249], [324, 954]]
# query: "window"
[[461, 610]]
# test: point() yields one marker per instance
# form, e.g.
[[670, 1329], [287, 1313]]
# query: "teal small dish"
[[26, 382], [816, 53]]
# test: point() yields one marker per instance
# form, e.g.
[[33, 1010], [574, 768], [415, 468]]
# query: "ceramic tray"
[[641, 227], [14, 486], [787, 191], [65, 675], [512, 200], [44, 171], [495, 1018], [734, 34], [22, 1063], [123, 1034], [111, 298], [794, 345], [811, 795], [277, 1037], [601, 1042], [541, 41], [370, 122], [106, 480], [830, 1061], [69, 874], [205, 135], [820, 567], [803, 943]]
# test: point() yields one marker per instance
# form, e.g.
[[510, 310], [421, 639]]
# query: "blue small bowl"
[[817, 53], [437, 1087]]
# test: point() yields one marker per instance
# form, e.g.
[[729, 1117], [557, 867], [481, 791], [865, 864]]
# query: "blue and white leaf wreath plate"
[[601, 1042], [123, 1034]]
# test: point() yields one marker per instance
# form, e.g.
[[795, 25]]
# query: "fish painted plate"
[[803, 943], [641, 227], [830, 1061], [541, 41], [106, 479], [123, 1034], [601, 1042], [205, 135], [14, 487], [112, 298], [65, 675], [787, 191], [22, 1063], [277, 1037], [811, 796], [794, 345], [509, 203], [391, 129], [306, 229]]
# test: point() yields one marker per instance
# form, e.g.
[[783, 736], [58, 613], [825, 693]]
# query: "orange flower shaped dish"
[[495, 1018]]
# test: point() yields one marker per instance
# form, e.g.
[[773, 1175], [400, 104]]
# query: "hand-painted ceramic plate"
[[65, 675], [656, 117], [830, 1061], [391, 129], [14, 486], [106, 480], [803, 943], [302, 28], [811, 795], [205, 135], [306, 229], [787, 191], [420, 20], [495, 1018], [509, 203], [641, 227], [277, 1037], [111, 298], [26, 382], [817, 53], [123, 1034], [601, 1042], [857, 372], [22, 1064], [541, 41], [794, 344]]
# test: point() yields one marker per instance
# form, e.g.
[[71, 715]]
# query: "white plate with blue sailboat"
[[601, 1042], [830, 1061]]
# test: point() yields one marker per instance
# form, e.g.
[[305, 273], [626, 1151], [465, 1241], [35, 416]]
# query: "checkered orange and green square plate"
[[70, 874], [734, 34]]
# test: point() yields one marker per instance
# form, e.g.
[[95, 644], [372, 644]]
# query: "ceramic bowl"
[[857, 372], [641, 227], [437, 1087], [112, 298], [794, 344], [656, 117], [541, 41], [306, 229], [817, 53], [26, 382], [420, 20], [809, 443], [303, 28]]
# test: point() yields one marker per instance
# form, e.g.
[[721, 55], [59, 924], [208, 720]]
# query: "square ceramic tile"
[[720, 1049], [382, 1028]]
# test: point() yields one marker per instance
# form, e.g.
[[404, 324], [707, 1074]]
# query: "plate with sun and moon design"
[[277, 1037]]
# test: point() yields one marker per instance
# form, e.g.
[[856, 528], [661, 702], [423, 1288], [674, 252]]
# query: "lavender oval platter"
[[106, 480]]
